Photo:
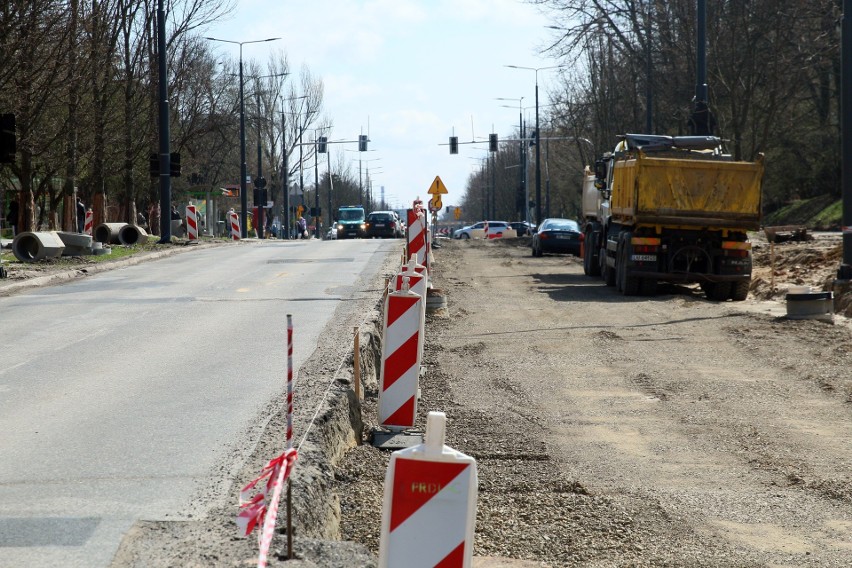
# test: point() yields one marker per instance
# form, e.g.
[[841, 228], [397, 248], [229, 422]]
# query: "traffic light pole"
[[165, 156]]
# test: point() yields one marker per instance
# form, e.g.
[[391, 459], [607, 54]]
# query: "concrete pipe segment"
[[32, 247], [132, 235], [76, 244], [107, 233]]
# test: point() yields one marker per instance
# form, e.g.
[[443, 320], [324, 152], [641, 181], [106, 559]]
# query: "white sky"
[[411, 70]]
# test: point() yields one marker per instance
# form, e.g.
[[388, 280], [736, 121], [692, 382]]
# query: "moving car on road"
[[557, 235], [383, 224], [351, 222]]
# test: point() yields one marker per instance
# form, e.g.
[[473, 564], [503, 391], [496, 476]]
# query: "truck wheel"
[[739, 290], [591, 264], [607, 271], [627, 284], [717, 291]]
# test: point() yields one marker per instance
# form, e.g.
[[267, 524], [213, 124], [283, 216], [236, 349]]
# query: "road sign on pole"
[[435, 204], [437, 187]]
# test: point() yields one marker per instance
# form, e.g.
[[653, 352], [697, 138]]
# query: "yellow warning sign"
[[435, 203], [437, 187]]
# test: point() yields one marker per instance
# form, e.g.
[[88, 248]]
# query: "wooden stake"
[[357, 364], [772, 264]]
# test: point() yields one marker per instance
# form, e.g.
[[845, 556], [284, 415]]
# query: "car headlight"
[[363, 226], [340, 227]]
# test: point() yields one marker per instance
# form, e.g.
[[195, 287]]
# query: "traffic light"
[[454, 144], [362, 143], [492, 142], [174, 164], [8, 139], [322, 144], [260, 182], [154, 164]]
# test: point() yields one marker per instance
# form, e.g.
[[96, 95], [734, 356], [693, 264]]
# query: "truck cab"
[[351, 222]]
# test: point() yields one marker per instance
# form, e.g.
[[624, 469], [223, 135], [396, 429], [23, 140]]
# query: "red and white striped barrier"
[[416, 233], [234, 222], [429, 507], [90, 219], [191, 223], [400, 367], [417, 283]]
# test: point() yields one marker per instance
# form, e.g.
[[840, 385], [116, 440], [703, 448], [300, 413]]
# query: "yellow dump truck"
[[671, 209]]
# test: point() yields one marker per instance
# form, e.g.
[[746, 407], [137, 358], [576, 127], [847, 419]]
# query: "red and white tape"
[[262, 508]]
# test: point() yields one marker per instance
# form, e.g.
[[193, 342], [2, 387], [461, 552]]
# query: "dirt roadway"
[[613, 431]]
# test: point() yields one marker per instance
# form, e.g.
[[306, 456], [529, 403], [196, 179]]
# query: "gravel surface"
[[614, 431]]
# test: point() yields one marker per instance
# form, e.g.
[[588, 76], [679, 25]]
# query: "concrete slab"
[[384, 440]]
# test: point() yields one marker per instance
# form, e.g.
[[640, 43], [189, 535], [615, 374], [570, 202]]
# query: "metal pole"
[[243, 169], [328, 160], [360, 183], [701, 52], [285, 174], [316, 189], [259, 201], [845, 270], [165, 157], [493, 186], [537, 158], [547, 179], [519, 197], [649, 92]]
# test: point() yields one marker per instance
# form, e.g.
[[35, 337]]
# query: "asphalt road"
[[124, 394]]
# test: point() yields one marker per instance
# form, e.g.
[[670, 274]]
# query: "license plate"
[[564, 237], [643, 257], [379, 225]]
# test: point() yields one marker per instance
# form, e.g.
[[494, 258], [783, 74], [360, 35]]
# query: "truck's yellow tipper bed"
[[696, 193]]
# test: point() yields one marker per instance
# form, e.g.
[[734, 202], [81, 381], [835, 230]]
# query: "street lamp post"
[[537, 139], [520, 204], [243, 168], [285, 173]]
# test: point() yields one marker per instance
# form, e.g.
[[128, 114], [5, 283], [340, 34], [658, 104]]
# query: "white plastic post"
[[429, 507]]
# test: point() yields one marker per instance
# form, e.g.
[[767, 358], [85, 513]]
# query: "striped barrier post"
[[416, 283], [191, 223], [90, 219], [416, 236], [429, 506], [234, 222], [290, 393], [400, 366]]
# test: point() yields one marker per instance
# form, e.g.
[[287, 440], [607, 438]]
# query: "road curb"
[[11, 287]]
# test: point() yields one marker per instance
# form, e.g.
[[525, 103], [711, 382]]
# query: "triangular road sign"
[[437, 187]]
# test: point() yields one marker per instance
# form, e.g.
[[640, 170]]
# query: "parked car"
[[495, 229], [383, 224], [557, 235], [523, 228]]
